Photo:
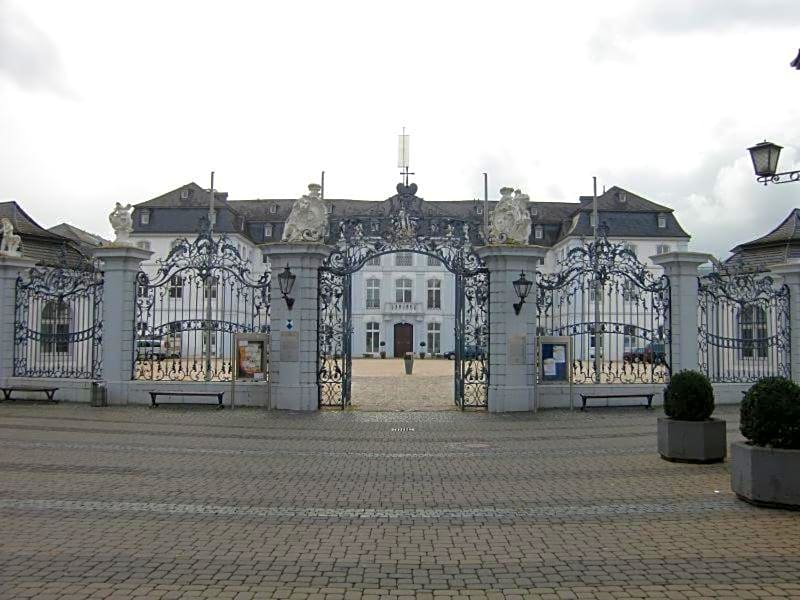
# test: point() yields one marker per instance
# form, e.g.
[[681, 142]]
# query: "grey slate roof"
[[78, 235], [779, 245]]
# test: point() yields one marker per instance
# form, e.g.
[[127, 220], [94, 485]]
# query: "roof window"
[[662, 221], [273, 208]]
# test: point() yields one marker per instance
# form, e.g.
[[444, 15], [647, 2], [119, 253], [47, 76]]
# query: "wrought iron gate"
[[614, 309], [188, 312], [451, 243]]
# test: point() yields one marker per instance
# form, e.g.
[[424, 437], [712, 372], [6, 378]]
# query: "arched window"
[[403, 290], [55, 327], [753, 332], [435, 338], [434, 293], [373, 293], [373, 336]]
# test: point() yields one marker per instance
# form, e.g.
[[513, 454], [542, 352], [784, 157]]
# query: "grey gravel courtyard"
[[198, 503]]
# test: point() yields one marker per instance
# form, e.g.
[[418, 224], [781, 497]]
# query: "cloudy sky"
[[121, 101]]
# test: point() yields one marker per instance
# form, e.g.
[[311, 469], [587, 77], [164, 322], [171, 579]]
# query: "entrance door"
[[403, 339]]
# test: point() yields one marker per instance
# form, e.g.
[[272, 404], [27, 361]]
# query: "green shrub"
[[770, 413], [689, 397]]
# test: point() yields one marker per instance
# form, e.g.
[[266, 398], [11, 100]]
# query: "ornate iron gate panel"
[[188, 311], [447, 240], [743, 327], [614, 309], [58, 327]]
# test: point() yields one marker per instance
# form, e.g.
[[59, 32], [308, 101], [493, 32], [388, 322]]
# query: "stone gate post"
[[512, 337], [120, 266], [681, 268], [790, 273], [10, 268], [293, 345]]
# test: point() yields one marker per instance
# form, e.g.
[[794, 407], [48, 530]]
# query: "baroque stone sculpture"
[[122, 223], [510, 221], [309, 219], [9, 246]]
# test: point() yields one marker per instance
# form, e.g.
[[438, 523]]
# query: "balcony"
[[403, 308]]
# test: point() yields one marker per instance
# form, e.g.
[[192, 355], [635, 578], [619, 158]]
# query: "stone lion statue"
[[121, 221], [510, 221], [11, 241], [309, 219]]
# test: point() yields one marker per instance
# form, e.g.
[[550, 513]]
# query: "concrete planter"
[[692, 441], [768, 476], [409, 362]]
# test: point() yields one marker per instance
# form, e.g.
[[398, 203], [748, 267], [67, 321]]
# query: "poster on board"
[[251, 357], [554, 354]]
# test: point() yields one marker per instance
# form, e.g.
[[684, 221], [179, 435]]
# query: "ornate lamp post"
[[765, 164]]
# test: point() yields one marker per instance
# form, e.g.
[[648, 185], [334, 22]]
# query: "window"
[[55, 327], [212, 288], [373, 336], [213, 343], [541, 262], [662, 221], [375, 227], [184, 194], [273, 208], [176, 286], [629, 341], [403, 290], [435, 338], [144, 217], [534, 211], [434, 293], [591, 219], [373, 293], [629, 291], [374, 262], [144, 245], [479, 209], [404, 259], [268, 230], [538, 232], [433, 261], [753, 329], [662, 248]]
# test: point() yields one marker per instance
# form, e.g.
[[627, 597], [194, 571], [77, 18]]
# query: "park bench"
[[49, 391], [217, 395], [585, 397]]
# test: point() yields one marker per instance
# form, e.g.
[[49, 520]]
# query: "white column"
[[120, 267], [790, 273], [293, 351], [11, 267], [512, 337], [681, 268]]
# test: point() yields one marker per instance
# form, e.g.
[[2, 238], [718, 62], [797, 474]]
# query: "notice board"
[[555, 359]]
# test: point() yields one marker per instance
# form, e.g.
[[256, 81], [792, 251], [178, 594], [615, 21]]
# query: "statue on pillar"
[[309, 219], [510, 221], [122, 223], [9, 246]]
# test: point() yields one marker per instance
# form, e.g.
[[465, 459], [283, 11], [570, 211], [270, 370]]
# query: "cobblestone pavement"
[[197, 503], [381, 384]]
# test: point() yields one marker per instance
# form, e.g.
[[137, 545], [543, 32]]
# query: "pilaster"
[[10, 268], [790, 273]]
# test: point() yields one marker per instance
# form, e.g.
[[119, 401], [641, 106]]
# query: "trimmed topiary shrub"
[[770, 413], [689, 397]]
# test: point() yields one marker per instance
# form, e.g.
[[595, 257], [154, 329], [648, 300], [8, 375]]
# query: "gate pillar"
[[681, 269], [293, 338], [512, 337], [120, 267], [790, 273], [10, 268]]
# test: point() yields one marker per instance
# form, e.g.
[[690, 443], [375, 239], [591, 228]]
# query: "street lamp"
[[765, 164], [286, 283], [522, 287]]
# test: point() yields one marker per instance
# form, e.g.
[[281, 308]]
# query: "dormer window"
[[538, 232], [623, 197], [273, 208], [184, 194], [534, 211], [144, 217], [662, 221], [376, 227], [268, 230], [479, 209], [592, 220]]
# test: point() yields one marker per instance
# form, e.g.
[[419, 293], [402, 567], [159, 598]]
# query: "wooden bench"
[[49, 391], [217, 395], [649, 397]]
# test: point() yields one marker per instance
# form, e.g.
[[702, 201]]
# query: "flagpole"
[[209, 281]]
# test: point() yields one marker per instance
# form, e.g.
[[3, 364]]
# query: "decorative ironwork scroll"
[[743, 327], [58, 328], [188, 311], [616, 311]]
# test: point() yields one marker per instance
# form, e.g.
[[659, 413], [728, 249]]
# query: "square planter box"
[[769, 476], [692, 441]]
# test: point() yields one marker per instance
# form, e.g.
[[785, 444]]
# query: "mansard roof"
[[787, 231], [45, 247], [779, 245]]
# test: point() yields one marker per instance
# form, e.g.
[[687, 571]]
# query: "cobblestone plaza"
[[198, 503]]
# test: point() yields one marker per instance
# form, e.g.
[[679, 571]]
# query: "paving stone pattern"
[[183, 502], [380, 384]]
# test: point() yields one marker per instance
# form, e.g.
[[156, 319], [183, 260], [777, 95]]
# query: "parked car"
[[471, 352], [652, 352], [167, 347], [634, 355]]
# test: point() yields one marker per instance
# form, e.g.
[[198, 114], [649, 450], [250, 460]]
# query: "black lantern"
[[765, 158], [286, 283], [522, 287]]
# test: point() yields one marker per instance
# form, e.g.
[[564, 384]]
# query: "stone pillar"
[[120, 266], [293, 333], [681, 268], [512, 337], [790, 273], [10, 268]]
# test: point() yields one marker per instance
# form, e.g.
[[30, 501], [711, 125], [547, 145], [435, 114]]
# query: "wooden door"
[[403, 339]]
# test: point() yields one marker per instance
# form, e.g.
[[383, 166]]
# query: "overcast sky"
[[122, 101]]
